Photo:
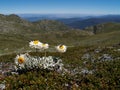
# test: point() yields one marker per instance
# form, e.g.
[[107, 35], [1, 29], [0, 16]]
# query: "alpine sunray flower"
[[61, 48], [35, 44], [20, 60], [45, 46]]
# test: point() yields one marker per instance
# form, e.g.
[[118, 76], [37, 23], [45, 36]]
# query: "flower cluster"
[[38, 45], [43, 46], [27, 62]]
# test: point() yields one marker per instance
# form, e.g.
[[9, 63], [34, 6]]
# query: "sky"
[[95, 7]]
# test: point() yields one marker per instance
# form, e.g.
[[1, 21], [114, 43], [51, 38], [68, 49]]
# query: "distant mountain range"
[[94, 21], [14, 23], [77, 21]]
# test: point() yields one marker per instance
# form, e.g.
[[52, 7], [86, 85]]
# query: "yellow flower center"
[[61, 47], [21, 60], [36, 42], [44, 45]]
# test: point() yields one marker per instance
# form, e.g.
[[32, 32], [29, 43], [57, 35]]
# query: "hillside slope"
[[16, 33], [104, 28], [15, 24]]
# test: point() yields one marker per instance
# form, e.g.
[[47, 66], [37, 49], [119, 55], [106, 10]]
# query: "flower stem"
[[45, 53]]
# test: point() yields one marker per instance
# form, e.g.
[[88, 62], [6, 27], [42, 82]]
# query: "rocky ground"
[[92, 64]]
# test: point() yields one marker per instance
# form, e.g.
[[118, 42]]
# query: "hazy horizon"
[[56, 15]]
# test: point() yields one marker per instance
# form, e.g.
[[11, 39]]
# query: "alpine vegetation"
[[25, 62]]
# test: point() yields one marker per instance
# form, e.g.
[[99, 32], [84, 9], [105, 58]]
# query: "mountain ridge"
[[15, 24], [94, 21], [79, 22]]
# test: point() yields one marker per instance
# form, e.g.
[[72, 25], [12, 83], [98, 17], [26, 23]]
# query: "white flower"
[[61, 48], [45, 46], [20, 60], [35, 44]]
